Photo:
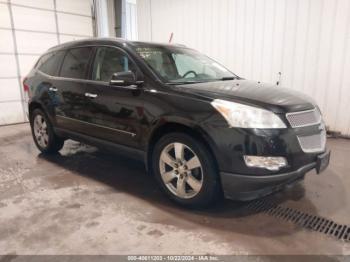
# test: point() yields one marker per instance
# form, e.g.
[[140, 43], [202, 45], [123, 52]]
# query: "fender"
[[168, 120]]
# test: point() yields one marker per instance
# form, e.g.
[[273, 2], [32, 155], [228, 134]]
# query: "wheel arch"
[[35, 104], [184, 127], [32, 106]]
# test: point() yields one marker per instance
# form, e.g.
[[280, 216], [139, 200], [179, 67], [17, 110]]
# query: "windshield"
[[175, 65]]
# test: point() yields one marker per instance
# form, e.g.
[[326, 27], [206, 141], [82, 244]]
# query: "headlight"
[[239, 115]]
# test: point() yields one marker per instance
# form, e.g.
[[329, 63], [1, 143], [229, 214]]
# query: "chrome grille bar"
[[313, 143], [304, 118]]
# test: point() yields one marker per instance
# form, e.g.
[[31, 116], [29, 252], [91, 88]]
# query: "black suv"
[[200, 129]]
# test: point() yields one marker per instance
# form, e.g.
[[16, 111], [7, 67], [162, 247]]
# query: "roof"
[[108, 40]]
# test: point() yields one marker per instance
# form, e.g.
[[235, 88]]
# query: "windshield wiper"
[[228, 78], [183, 82]]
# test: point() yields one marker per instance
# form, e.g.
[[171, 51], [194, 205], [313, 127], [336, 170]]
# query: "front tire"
[[44, 137], [186, 170]]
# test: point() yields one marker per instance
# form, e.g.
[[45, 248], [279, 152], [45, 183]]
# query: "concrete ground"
[[87, 201]]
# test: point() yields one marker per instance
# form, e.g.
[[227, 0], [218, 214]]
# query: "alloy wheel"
[[181, 170], [40, 131]]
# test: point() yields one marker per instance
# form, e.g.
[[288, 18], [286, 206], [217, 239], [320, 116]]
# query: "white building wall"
[[104, 22], [27, 29], [131, 20], [308, 41]]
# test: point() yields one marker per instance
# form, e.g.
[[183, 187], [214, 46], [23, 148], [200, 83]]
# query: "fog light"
[[268, 162]]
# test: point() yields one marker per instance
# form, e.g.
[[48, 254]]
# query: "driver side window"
[[109, 60]]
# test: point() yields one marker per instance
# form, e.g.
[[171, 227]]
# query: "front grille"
[[304, 118], [313, 143]]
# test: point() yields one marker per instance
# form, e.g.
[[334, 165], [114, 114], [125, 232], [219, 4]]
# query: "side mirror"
[[126, 78]]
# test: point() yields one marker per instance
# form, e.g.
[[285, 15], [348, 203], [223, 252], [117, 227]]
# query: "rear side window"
[[108, 61], [50, 63], [76, 62]]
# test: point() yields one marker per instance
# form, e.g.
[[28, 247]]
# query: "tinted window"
[[182, 65], [50, 63], [76, 62], [109, 61]]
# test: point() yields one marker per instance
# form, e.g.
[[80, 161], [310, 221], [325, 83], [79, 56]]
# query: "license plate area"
[[322, 161]]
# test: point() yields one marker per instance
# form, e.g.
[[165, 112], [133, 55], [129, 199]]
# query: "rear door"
[[71, 89], [45, 81]]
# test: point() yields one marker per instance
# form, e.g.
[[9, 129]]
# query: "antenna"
[[279, 78], [171, 37]]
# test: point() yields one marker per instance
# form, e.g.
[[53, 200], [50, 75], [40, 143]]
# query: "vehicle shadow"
[[129, 176]]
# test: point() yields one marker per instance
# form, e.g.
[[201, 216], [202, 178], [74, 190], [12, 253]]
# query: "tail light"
[[25, 86], [26, 90]]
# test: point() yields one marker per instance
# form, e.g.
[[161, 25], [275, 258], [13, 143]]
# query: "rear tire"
[[185, 170], [44, 137]]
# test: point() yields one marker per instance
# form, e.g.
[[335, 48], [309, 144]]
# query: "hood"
[[271, 97]]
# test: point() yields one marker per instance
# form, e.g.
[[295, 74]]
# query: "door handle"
[[53, 89], [91, 95]]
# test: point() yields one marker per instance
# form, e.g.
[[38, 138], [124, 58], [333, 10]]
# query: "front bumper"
[[241, 182], [244, 187], [231, 144], [248, 187]]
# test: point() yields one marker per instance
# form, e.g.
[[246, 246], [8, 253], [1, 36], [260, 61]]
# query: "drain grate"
[[304, 220]]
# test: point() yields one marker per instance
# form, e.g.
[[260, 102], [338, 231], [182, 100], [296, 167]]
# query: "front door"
[[116, 112]]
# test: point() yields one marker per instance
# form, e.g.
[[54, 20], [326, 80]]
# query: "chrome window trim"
[[303, 112], [139, 71], [60, 78], [97, 125]]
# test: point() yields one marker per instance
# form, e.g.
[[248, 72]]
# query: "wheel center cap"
[[182, 169]]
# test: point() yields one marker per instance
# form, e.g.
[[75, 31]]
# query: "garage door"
[[27, 29]]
